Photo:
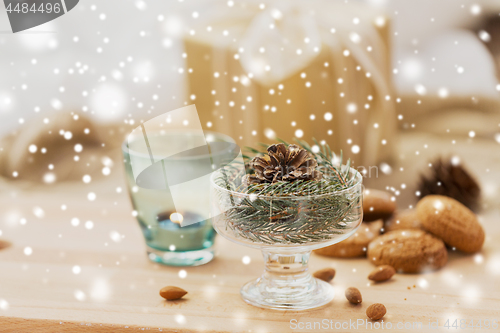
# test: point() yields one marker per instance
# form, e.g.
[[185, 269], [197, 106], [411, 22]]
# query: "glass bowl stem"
[[287, 284]]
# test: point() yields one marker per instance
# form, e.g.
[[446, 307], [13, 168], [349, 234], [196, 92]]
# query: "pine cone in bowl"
[[283, 163]]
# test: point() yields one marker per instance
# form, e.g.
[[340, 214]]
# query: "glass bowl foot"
[[315, 294]]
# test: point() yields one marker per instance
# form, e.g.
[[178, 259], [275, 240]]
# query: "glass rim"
[[295, 197], [227, 138]]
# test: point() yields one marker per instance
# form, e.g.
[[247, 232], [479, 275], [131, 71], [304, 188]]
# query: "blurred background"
[[355, 77]]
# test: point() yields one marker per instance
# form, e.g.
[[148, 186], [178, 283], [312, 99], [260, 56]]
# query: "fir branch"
[[290, 213]]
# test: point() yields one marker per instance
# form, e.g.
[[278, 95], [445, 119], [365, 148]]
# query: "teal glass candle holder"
[[174, 230]]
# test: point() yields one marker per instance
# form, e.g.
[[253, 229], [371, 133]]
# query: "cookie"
[[377, 205], [408, 251], [404, 219], [451, 221], [355, 245]]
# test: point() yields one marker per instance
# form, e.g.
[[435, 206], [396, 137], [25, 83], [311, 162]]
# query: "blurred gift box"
[[321, 69]]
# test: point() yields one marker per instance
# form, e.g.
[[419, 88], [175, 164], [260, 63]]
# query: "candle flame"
[[176, 218]]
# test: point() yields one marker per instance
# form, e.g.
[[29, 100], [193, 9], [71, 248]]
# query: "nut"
[[171, 293], [376, 311], [382, 273], [353, 295], [325, 274], [4, 244]]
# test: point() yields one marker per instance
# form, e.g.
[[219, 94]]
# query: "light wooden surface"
[[118, 287]]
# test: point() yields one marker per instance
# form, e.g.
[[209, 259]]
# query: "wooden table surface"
[[78, 279]]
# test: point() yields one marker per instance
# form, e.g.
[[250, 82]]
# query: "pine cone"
[[283, 164], [453, 181]]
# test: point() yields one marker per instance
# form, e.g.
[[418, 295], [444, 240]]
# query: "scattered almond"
[[382, 273], [353, 295], [376, 311], [325, 274], [171, 293], [4, 244]]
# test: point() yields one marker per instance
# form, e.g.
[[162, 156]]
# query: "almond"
[[382, 273], [325, 274], [376, 311], [171, 293], [353, 295], [4, 244]]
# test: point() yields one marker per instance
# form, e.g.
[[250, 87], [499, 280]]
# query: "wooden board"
[[117, 288]]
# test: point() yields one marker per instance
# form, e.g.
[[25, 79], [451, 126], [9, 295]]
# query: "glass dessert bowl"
[[287, 228]]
